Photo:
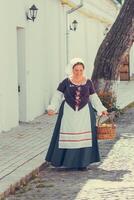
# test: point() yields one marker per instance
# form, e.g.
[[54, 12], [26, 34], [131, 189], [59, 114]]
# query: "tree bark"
[[112, 51]]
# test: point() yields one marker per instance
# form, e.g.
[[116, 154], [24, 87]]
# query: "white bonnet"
[[71, 64], [75, 61]]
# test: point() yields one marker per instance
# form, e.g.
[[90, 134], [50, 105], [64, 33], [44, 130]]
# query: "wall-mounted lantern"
[[32, 13], [74, 25]]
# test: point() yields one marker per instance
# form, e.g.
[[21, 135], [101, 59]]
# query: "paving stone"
[[111, 179]]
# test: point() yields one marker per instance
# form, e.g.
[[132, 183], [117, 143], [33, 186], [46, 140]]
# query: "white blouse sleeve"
[[97, 104], [56, 101]]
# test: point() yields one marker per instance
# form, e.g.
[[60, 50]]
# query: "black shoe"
[[82, 169]]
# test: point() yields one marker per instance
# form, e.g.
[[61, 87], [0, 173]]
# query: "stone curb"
[[22, 182]]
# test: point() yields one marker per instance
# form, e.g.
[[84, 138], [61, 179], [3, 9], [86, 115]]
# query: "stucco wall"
[[33, 55], [131, 61]]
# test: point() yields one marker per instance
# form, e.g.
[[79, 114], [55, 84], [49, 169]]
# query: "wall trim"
[[88, 12]]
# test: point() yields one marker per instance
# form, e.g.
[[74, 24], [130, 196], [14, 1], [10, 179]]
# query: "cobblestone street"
[[111, 179]]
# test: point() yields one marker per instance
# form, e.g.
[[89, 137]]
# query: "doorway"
[[21, 73]]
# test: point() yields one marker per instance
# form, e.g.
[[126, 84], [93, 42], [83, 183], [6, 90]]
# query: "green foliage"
[[108, 99], [120, 1]]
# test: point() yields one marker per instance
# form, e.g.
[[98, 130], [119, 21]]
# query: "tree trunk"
[[111, 54]]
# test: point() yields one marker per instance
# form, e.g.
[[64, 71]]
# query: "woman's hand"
[[51, 112], [104, 112]]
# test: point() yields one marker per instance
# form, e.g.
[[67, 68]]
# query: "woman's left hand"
[[104, 112]]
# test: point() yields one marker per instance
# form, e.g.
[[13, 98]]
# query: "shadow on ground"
[[55, 184]]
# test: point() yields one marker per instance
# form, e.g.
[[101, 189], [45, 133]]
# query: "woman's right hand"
[[51, 112]]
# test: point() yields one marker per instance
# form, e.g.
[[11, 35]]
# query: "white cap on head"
[[71, 64], [75, 61]]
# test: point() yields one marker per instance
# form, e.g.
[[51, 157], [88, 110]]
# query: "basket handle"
[[109, 117]]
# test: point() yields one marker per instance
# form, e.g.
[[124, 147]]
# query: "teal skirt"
[[73, 158]]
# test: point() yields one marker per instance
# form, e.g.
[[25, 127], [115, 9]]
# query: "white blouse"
[[58, 98]]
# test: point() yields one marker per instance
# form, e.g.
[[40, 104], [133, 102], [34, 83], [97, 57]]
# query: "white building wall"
[[33, 54], [131, 61], [44, 43], [77, 38], [8, 65], [95, 30], [85, 41]]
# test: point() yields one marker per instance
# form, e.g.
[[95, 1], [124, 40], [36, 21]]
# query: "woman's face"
[[78, 70]]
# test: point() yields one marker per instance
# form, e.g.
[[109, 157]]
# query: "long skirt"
[[73, 158]]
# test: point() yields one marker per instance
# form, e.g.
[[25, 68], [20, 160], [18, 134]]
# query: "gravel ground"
[[111, 179]]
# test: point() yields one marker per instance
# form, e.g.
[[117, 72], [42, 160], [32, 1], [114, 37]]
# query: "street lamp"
[[74, 25], [32, 13]]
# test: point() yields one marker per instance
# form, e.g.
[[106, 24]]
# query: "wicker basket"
[[106, 130]]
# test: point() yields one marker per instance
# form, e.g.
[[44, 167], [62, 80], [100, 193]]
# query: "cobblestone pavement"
[[111, 179]]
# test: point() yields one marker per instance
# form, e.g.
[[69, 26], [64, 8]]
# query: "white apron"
[[75, 130]]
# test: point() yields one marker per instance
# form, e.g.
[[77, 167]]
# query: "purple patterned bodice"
[[77, 96]]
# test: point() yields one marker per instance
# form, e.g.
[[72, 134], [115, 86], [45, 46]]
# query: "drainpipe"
[[67, 27]]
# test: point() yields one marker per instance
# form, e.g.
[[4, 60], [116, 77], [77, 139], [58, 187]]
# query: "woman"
[[74, 142]]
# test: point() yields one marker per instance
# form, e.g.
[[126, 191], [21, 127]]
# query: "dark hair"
[[78, 63]]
